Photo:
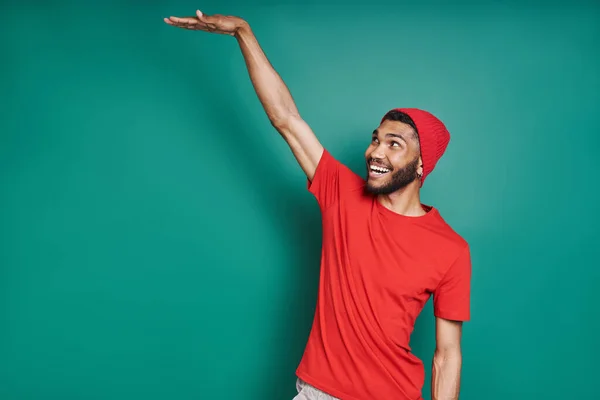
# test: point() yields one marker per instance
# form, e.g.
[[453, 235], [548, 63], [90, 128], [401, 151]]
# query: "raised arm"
[[272, 92]]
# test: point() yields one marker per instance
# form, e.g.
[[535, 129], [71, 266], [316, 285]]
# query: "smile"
[[377, 171]]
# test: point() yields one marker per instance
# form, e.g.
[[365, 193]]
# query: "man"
[[384, 252]]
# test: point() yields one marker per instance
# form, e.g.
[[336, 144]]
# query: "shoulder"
[[333, 180], [331, 167], [448, 239]]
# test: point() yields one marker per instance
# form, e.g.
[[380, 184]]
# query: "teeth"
[[379, 169]]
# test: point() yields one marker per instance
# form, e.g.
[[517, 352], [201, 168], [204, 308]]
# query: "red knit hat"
[[433, 137]]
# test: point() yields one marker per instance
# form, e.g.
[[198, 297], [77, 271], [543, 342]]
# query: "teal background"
[[156, 236]]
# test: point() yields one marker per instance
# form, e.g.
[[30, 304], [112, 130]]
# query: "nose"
[[378, 153]]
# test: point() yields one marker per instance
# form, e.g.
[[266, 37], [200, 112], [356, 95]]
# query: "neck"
[[405, 201]]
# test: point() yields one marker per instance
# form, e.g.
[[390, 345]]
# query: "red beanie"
[[433, 137]]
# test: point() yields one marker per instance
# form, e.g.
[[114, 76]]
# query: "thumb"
[[200, 15]]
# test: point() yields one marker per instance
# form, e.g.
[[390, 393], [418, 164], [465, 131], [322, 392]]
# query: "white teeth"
[[379, 169]]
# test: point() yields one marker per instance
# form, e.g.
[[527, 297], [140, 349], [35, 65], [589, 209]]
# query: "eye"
[[395, 144], [374, 139]]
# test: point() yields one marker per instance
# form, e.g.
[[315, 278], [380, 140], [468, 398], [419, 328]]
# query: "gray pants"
[[308, 392]]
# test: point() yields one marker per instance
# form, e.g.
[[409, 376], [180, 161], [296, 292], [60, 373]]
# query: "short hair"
[[395, 115]]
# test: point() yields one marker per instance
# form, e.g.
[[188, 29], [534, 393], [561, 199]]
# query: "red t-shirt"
[[378, 269]]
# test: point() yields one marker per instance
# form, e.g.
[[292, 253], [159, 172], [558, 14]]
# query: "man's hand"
[[270, 88], [223, 24]]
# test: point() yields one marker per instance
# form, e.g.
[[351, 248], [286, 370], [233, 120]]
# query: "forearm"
[[445, 375], [270, 88]]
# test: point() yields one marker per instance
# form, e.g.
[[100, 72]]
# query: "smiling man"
[[384, 253], [400, 136]]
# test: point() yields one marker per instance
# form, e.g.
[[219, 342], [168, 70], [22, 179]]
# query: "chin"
[[371, 187]]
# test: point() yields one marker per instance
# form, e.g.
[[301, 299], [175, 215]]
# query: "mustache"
[[379, 163]]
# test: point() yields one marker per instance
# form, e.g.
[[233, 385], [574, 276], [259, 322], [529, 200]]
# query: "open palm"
[[227, 25]]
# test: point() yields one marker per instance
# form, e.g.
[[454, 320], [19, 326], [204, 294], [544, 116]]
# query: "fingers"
[[181, 20], [209, 23], [206, 19], [187, 20], [186, 23], [199, 21]]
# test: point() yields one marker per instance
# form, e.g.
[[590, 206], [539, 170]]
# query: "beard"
[[399, 179]]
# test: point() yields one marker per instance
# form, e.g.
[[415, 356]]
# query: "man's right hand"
[[272, 92], [223, 24]]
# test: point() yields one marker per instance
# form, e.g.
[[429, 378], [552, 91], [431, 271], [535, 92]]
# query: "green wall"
[[156, 237]]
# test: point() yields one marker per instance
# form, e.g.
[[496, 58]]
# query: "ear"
[[420, 167]]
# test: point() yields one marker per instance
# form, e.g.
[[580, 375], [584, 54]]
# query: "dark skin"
[[395, 146]]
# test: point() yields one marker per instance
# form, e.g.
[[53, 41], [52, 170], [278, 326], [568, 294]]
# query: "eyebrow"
[[395, 135]]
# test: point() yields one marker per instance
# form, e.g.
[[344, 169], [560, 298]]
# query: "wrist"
[[242, 29]]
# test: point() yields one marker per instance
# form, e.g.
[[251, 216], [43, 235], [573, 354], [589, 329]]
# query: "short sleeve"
[[331, 178], [452, 297]]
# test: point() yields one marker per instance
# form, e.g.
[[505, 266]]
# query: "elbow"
[[448, 355], [284, 121], [278, 122]]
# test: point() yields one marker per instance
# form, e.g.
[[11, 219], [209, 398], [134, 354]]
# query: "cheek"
[[398, 160]]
